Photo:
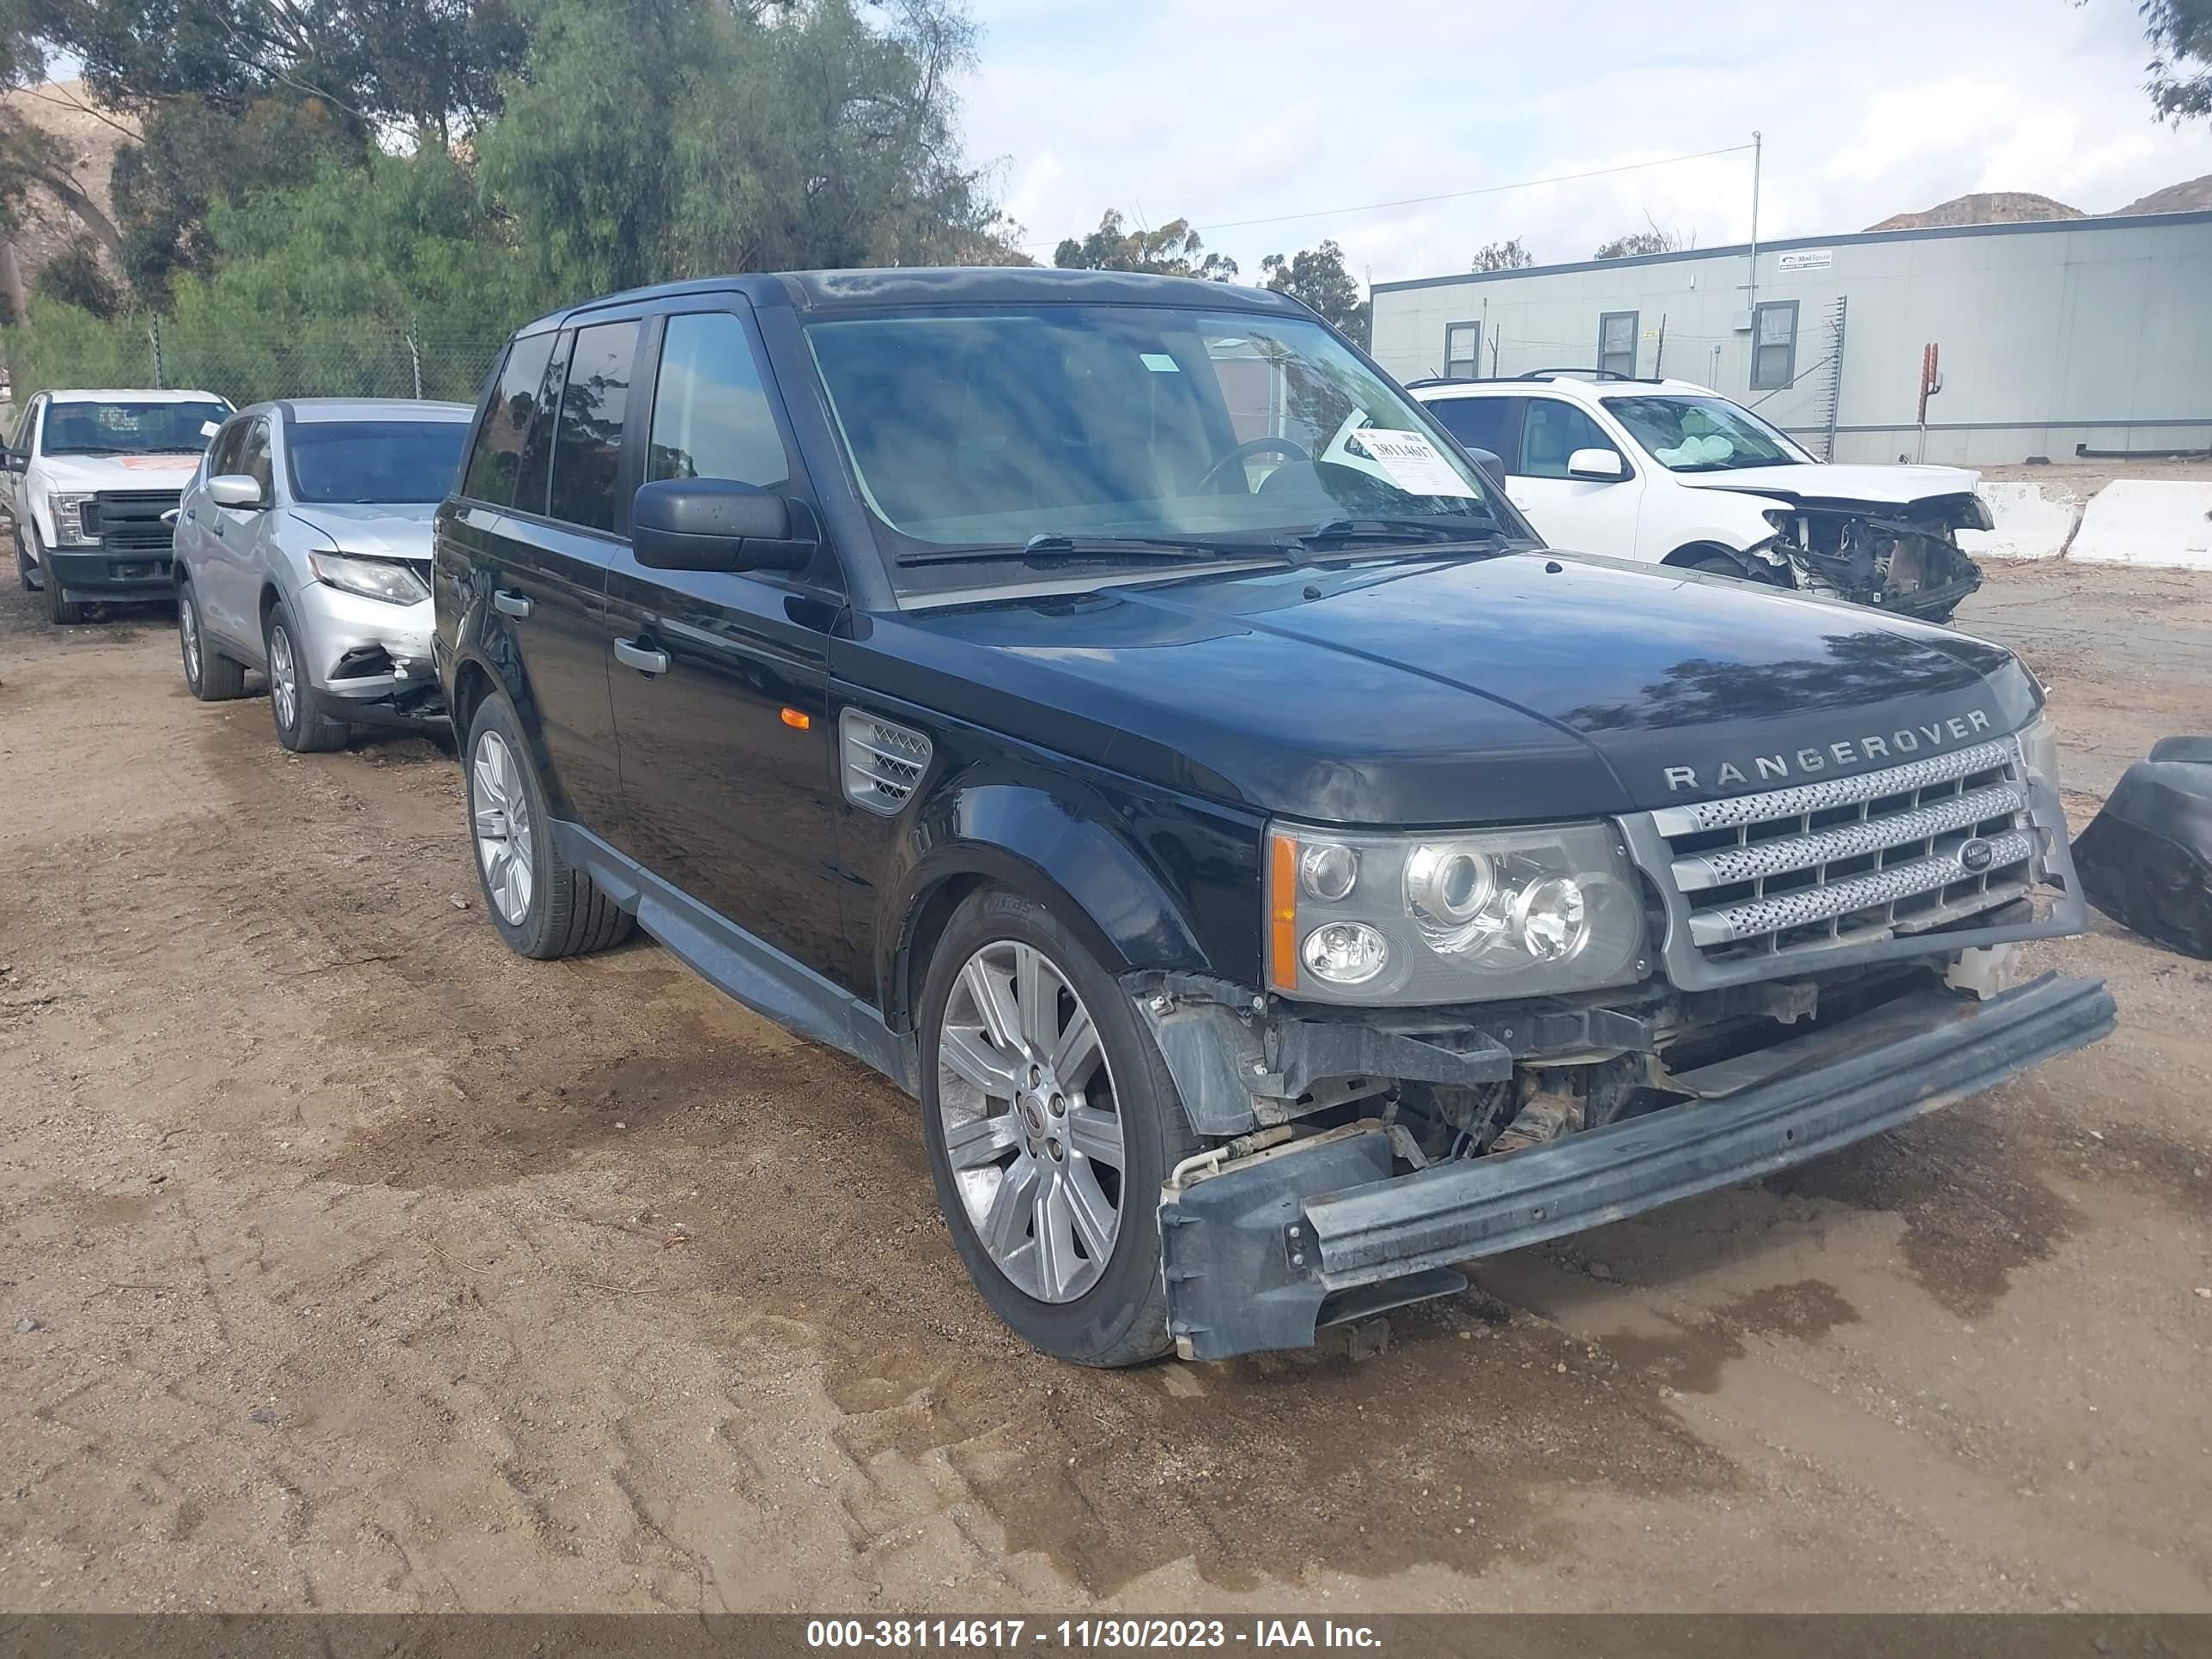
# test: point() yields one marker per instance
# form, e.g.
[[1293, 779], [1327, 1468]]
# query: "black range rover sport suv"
[[1109, 706]]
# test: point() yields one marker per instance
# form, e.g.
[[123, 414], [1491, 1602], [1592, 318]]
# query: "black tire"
[[1122, 1318], [63, 613], [566, 914], [208, 675], [302, 725]]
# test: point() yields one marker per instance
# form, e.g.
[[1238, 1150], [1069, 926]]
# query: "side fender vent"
[[882, 762]]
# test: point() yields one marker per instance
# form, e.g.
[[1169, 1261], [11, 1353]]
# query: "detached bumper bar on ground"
[[1261, 1254]]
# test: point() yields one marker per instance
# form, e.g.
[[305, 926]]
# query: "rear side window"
[[710, 412], [497, 455], [1478, 422], [587, 441], [1551, 432]]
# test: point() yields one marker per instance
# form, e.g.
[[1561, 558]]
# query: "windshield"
[[128, 429], [1225, 432], [1703, 435], [386, 462]]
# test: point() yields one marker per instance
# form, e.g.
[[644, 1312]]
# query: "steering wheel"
[[1253, 447]]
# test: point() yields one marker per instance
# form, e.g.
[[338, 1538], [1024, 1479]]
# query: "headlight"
[[2039, 751], [372, 579], [69, 507], [1441, 918]]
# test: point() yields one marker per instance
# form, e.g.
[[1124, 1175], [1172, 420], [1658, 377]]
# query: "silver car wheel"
[[188, 631], [283, 677], [501, 811], [1032, 1128]]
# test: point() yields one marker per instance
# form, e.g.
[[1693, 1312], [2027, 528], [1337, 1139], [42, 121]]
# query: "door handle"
[[511, 604], [641, 658]]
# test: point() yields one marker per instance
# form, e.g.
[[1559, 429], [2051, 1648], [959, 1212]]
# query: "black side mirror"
[[18, 460], [711, 524], [1493, 468]]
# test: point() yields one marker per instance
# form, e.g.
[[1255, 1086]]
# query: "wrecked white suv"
[[1673, 473]]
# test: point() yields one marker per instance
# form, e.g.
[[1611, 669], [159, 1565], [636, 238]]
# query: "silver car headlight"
[[372, 579], [1451, 916], [69, 507], [2039, 751]]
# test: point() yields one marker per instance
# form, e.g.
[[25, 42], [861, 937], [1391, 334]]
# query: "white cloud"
[[1221, 112]]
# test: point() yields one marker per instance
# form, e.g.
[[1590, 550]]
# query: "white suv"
[[1673, 473]]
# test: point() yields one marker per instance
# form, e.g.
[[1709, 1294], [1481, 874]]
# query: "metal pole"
[[153, 335], [415, 361], [1751, 289], [1836, 377]]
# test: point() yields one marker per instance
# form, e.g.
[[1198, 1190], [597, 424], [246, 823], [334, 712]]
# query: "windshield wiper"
[[1472, 527], [1048, 549]]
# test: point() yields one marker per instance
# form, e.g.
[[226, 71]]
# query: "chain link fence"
[[347, 361]]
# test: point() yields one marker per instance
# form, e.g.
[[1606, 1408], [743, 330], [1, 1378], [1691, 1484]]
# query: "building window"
[[1774, 345], [1616, 343], [1463, 351]]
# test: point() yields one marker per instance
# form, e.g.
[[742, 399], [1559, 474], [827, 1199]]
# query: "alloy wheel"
[[283, 677], [188, 632], [1032, 1132], [501, 811]]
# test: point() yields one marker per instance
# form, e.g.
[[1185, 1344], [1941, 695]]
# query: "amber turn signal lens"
[[1283, 912], [796, 721]]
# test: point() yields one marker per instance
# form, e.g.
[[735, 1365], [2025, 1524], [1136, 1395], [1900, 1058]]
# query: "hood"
[[1814, 481], [1520, 687], [378, 533], [118, 471]]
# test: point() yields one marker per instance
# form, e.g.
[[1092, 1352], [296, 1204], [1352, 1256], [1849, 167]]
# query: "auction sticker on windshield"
[[1412, 461]]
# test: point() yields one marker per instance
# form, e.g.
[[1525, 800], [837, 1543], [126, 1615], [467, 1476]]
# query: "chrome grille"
[[1754, 884], [882, 762]]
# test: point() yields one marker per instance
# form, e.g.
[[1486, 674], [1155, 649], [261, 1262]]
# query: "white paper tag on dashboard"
[[1412, 461]]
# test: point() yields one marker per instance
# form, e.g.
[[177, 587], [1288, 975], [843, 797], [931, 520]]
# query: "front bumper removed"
[[1261, 1252]]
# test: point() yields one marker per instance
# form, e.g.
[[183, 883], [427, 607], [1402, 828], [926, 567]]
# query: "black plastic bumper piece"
[[1254, 1253], [113, 575]]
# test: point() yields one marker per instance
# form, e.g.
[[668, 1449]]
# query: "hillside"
[[63, 109], [1989, 207], [2191, 195]]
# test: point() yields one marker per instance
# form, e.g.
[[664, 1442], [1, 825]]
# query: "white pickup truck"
[[91, 484]]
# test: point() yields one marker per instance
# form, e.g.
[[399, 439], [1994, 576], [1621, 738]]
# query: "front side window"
[[1223, 430], [386, 462], [222, 454], [711, 418], [1551, 432], [83, 427], [508, 419], [587, 439], [1703, 434]]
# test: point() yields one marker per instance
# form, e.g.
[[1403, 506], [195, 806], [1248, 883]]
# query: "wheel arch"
[[1690, 552], [1046, 847]]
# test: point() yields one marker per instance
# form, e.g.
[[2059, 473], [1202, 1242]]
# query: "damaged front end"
[[1904, 558], [1828, 965]]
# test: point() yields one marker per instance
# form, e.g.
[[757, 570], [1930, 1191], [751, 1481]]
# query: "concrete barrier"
[[2148, 522], [2034, 521]]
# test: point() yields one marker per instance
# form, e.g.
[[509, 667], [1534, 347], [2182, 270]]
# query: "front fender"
[[1054, 845]]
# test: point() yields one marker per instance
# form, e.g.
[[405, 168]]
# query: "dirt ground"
[[347, 1261]]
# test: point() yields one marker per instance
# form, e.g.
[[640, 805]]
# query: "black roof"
[[950, 285]]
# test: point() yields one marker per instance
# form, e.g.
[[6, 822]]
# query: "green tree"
[[1509, 255], [2180, 32], [1173, 250], [1317, 275], [680, 137], [75, 276], [1637, 242]]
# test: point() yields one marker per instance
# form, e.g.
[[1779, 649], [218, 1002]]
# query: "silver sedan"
[[303, 554]]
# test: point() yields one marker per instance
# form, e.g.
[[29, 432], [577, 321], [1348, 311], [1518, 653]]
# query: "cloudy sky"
[[1226, 111]]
